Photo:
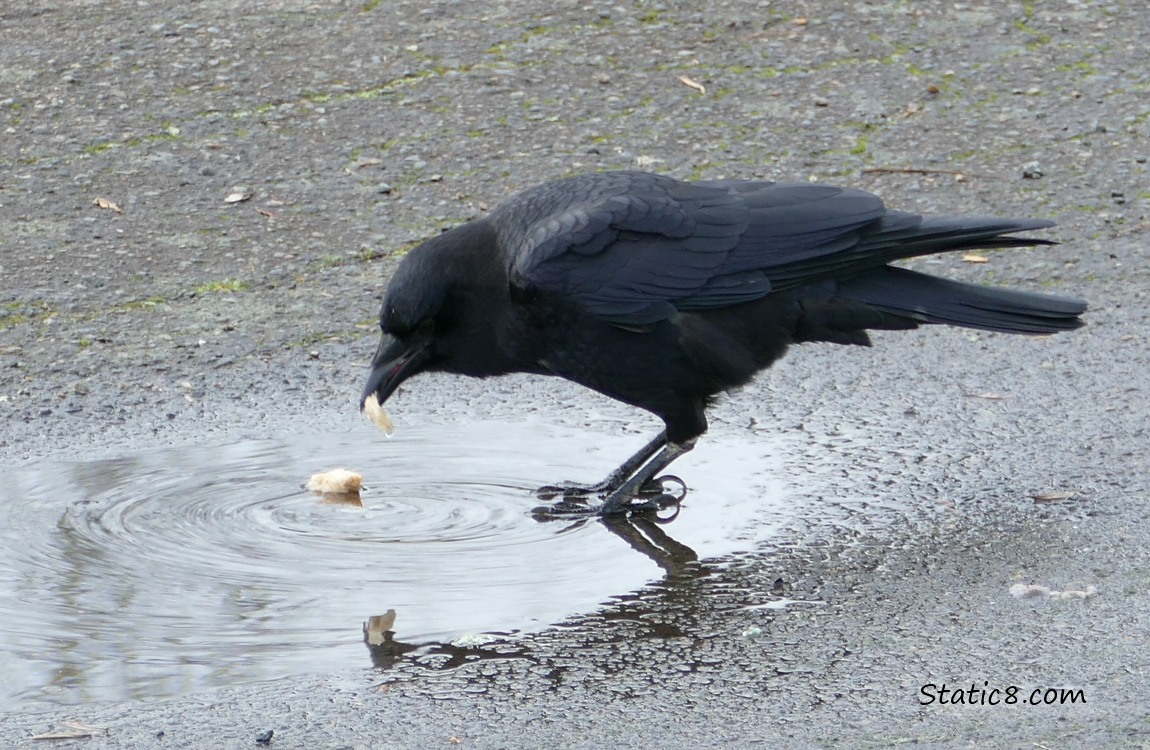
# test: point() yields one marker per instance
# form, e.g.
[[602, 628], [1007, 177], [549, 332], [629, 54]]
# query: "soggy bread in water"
[[336, 481]]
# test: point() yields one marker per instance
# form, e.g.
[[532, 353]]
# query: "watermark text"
[[985, 695]]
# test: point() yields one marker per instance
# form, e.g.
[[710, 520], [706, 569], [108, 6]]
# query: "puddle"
[[177, 570]]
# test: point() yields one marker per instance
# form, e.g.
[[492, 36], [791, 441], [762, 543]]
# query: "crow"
[[663, 293]]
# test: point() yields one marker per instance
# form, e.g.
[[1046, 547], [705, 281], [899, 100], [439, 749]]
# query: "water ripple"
[[160, 573]]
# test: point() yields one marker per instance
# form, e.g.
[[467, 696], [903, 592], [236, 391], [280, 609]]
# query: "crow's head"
[[432, 315]]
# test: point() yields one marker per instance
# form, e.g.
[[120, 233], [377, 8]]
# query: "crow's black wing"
[[626, 246], [633, 247], [803, 233]]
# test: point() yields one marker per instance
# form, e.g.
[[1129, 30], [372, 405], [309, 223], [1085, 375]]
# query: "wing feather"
[[633, 247]]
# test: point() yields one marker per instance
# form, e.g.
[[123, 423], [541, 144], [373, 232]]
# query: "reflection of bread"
[[375, 412], [377, 625], [335, 481]]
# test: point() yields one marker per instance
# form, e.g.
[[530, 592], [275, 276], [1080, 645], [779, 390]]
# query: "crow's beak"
[[395, 361]]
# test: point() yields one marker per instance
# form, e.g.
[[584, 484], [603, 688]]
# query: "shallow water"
[[162, 573]]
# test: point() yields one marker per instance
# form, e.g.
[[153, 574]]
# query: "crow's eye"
[[399, 326], [391, 322]]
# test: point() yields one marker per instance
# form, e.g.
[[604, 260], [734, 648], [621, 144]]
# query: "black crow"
[[663, 293]]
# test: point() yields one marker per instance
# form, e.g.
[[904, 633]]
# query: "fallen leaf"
[[1088, 593], [1028, 591], [105, 203], [1033, 591], [75, 730], [693, 84], [63, 734], [974, 258], [1053, 497]]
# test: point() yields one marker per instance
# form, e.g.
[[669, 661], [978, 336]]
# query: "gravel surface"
[[200, 204]]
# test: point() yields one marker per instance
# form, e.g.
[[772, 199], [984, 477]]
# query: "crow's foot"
[[657, 495], [572, 490]]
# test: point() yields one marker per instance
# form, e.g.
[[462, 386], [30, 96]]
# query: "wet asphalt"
[[268, 162]]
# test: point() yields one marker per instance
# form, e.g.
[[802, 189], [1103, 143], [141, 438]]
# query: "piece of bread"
[[375, 412], [336, 481]]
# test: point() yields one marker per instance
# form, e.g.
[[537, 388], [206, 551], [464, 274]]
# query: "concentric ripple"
[[162, 573]]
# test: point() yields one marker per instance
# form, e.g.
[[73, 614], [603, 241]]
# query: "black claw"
[[653, 505], [569, 489], [658, 487], [580, 511], [578, 501], [566, 509]]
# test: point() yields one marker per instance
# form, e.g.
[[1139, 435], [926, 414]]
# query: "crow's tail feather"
[[929, 299], [899, 235]]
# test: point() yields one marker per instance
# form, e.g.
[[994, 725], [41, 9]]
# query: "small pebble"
[[1032, 171]]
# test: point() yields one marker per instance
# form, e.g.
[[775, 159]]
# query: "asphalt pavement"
[[200, 204]]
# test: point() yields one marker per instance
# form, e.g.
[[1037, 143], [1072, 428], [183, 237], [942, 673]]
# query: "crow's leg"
[[620, 500], [615, 479]]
